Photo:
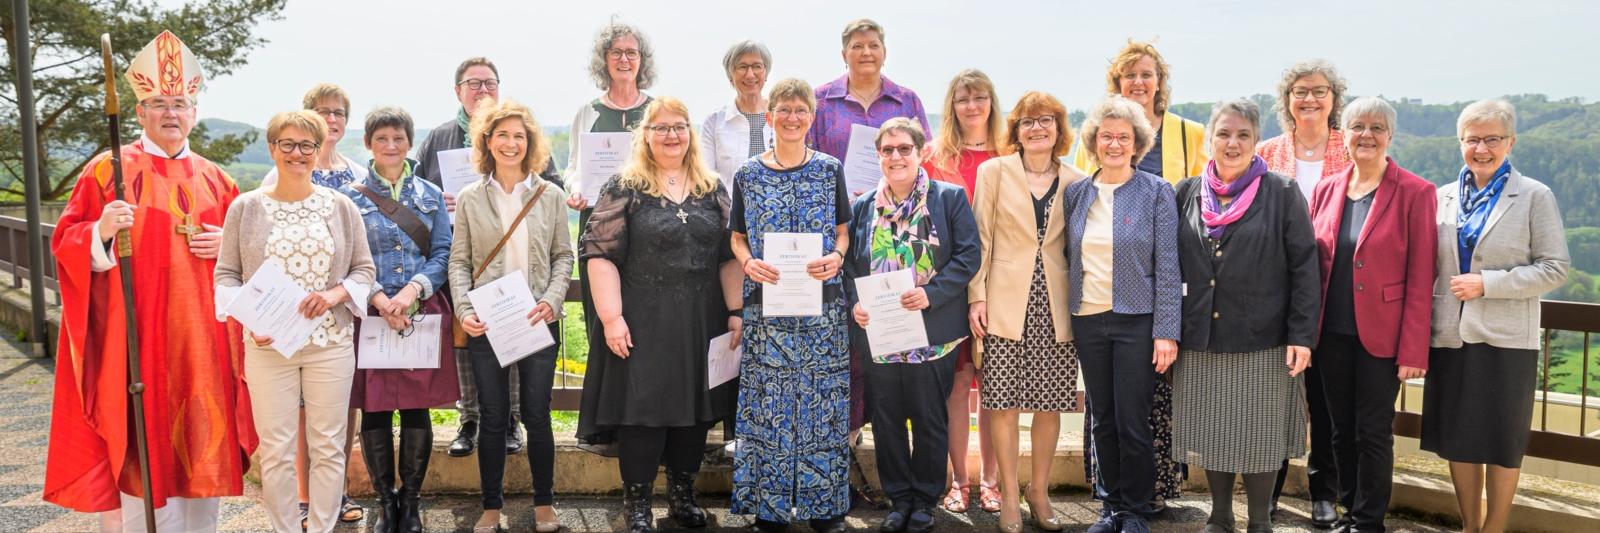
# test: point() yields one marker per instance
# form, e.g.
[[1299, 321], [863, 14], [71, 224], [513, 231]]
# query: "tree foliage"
[[68, 78]]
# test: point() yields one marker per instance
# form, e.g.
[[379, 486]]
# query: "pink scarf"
[[1217, 218]]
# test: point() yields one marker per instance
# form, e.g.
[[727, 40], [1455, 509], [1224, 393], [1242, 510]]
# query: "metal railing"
[[1580, 447]]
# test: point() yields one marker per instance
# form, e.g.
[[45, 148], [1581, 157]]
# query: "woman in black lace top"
[[664, 285]]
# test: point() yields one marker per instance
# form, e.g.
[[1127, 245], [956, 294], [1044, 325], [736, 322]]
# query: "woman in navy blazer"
[[1126, 302], [912, 222], [1376, 238]]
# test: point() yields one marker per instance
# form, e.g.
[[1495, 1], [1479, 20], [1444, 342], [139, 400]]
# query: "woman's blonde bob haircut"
[[1116, 107], [1130, 54], [489, 115], [949, 141], [1037, 104], [642, 173], [302, 119]]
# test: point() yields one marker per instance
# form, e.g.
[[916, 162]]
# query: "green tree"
[[68, 78]]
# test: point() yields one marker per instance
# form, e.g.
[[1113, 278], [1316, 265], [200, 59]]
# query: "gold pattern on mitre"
[[165, 67]]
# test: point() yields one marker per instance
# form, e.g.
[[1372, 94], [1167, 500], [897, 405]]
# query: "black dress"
[[668, 256]]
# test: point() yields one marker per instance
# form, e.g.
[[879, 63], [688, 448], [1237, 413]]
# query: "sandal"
[[989, 498], [542, 526], [955, 501], [349, 512]]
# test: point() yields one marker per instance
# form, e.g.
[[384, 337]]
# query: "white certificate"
[[796, 293], [602, 155], [861, 170], [503, 305], [722, 362], [269, 305], [456, 170], [380, 346], [891, 328]]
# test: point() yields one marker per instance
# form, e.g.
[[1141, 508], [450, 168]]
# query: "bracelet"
[[841, 254], [736, 312]]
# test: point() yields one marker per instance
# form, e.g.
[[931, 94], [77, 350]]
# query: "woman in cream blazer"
[[1027, 361]]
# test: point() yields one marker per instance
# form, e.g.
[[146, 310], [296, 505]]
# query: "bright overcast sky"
[[404, 52]]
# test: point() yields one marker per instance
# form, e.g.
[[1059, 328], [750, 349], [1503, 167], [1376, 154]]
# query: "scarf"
[[464, 121], [1476, 204], [903, 235], [1215, 216]]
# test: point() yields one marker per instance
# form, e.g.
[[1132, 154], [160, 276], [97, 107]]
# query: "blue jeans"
[[537, 373], [1115, 351]]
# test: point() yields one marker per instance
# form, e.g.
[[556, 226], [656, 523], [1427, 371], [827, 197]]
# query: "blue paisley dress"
[[794, 377]]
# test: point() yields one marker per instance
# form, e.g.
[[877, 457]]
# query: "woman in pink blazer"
[[1377, 240]]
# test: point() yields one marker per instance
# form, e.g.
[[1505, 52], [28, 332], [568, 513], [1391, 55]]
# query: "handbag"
[[460, 333]]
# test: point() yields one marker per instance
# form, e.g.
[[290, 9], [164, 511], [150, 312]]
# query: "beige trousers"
[[322, 377]]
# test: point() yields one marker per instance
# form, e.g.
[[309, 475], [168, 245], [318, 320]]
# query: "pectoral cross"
[[188, 229], [682, 216]]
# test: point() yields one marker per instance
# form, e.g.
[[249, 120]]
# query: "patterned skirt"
[[793, 458], [1036, 373], [1237, 412]]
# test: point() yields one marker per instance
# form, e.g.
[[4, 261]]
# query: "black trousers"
[[1115, 351], [537, 375], [642, 449], [897, 393], [1361, 390], [1322, 472]]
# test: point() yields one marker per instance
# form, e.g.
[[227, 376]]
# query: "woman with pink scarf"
[[1250, 305]]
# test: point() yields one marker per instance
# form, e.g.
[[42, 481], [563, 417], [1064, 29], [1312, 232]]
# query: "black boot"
[[377, 451], [416, 448], [680, 495], [636, 507], [466, 440]]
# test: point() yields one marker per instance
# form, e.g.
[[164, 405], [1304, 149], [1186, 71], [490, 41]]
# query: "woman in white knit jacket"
[[316, 236]]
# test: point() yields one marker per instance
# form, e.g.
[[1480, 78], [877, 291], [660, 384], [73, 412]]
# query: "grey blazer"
[[1521, 255], [478, 228]]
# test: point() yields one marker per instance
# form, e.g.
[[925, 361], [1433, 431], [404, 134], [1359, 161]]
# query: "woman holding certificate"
[[1124, 295], [790, 221], [312, 240], [665, 284], [1028, 361], [408, 231], [913, 249], [511, 224]]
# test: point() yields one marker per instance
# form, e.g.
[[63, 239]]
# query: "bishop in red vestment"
[[197, 409]]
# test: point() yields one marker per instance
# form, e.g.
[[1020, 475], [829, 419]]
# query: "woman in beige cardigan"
[[508, 149], [1028, 362], [316, 236]]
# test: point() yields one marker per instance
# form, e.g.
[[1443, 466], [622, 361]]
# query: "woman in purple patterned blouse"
[[861, 96]]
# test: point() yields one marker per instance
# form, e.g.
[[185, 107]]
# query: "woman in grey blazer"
[[1501, 245]]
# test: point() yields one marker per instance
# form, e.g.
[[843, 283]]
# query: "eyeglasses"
[[1492, 141], [1320, 91], [904, 150], [477, 84], [792, 112], [334, 113], [163, 107], [415, 317], [1046, 122], [662, 130], [1109, 138], [1375, 129], [288, 147], [746, 68], [620, 54]]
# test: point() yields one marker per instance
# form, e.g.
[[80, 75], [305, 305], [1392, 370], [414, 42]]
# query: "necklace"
[[804, 155], [862, 97], [1310, 149], [978, 144], [1041, 173], [614, 105]]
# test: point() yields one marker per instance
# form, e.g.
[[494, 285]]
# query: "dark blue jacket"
[[1145, 277], [955, 261]]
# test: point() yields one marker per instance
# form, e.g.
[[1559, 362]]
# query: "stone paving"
[[25, 392]]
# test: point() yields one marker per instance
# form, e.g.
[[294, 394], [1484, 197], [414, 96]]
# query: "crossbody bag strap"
[[514, 225], [397, 213]]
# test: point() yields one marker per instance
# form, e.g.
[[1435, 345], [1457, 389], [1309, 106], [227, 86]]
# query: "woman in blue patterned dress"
[[792, 462]]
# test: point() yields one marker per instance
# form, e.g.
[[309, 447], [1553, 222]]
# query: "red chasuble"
[[196, 407]]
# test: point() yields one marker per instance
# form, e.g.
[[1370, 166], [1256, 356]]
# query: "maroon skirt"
[[392, 389]]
